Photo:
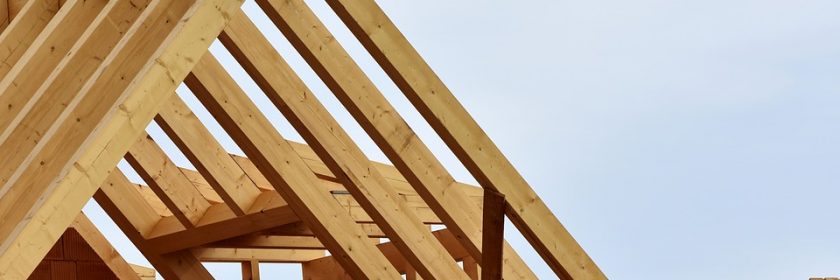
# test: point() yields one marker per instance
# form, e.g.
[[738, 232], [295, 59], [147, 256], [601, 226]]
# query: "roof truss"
[[82, 79]]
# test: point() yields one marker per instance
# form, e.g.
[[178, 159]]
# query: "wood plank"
[[23, 29], [163, 52], [383, 123], [262, 241], [285, 170], [4, 15], [263, 255], [103, 248], [207, 155], [379, 119], [36, 120], [179, 265], [128, 199], [465, 137], [390, 251], [145, 273], [165, 178], [217, 228], [309, 117], [24, 78]]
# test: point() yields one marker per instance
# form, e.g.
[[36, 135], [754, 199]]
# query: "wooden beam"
[[323, 269], [33, 121], [167, 237], [251, 270], [472, 268], [87, 144], [379, 119], [131, 203], [103, 248], [207, 155], [4, 15], [263, 255], [463, 135], [262, 241], [284, 169], [24, 77], [323, 133], [166, 179], [394, 256], [383, 123], [178, 265], [23, 29], [493, 235]]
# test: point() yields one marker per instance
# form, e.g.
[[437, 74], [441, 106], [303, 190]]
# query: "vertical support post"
[[471, 268], [251, 270], [493, 235]]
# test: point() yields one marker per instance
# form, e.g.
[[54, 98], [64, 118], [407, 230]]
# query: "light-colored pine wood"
[[207, 155], [263, 255], [178, 265], [167, 237], [103, 248], [376, 115], [285, 170], [21, 81], [77, 168], [464, 136], [30, 129], [270, 241], [23, 29], [131, 203], [383, 123], [321, 131], [183, 199]]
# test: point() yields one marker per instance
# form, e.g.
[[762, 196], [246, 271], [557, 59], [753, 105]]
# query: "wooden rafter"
[[465, 137], [80, 81]]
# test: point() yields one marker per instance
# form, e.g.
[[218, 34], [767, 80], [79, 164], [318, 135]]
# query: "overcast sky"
[[674, 139]]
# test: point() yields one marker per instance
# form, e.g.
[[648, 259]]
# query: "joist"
[[89, 142], [465, 137], [285, 170], [334, 146], [264, 255]]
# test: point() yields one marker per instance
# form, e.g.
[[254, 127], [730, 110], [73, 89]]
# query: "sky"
[[673, 139]]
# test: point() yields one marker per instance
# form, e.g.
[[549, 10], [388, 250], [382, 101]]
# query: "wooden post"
[[251, 270], [493, 236]]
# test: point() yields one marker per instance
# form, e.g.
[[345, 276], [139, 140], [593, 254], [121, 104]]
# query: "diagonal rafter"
[[336, 149], [383, 123], [94, 134], [208, 156], [465, 138], [285, 170]]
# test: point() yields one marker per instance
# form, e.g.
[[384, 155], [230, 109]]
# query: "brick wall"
[[71, 258]]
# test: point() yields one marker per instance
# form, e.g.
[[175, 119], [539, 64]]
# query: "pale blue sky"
[[674, 139]]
